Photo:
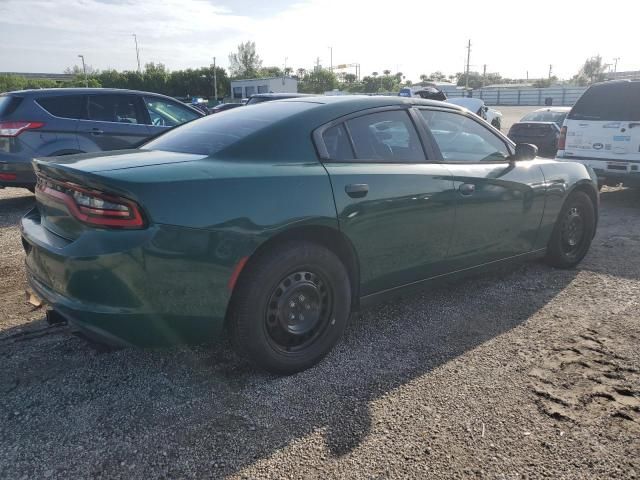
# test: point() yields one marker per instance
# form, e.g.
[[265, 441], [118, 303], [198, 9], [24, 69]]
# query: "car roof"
[[43, 92], [281, 95], [361, 102]]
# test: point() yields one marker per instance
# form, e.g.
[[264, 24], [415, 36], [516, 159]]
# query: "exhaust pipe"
[[54, 318]]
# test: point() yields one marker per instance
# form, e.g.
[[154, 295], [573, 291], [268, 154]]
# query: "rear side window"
[[337, 142], [65, 106], [213, 133], [616, 101], [386, 136], [114, 108], [9, 104]]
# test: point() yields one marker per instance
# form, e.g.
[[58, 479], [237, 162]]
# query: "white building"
[[251, 86]]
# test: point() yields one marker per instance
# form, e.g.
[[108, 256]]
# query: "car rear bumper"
[[124, 290], [19, 168], [611, 170]]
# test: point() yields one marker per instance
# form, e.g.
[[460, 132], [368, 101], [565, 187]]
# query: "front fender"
[[561, 179]]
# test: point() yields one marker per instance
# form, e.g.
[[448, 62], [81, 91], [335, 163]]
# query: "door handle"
[[467, 188], [357, 190], [96, 131]]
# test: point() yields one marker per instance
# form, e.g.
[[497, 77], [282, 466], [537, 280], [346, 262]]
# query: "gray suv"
[[64, 121]]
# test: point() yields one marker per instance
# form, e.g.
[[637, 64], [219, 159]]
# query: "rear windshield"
[[617, 101], [545, 116], [8, 104], [211, 134]]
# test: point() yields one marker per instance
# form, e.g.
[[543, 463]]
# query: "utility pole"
[[550, 70], [484, 74], [135, 38], [215, 81], [317, 63], [331, 58], [615, 64], [466, 80], [84, 69]]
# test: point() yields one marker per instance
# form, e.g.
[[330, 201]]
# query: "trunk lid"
[[533, 129], [89, 171]]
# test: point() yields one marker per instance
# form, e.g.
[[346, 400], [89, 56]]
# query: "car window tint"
[[113, 108], [609, 102], [337, 143], [386, 136], [65, 106], [213, 133], [462, 139], [165, 113]]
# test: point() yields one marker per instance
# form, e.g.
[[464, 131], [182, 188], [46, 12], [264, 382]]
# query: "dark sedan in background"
[[63, 121], [540, 128]]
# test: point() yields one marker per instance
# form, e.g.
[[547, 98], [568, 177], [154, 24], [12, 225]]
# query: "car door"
[[164, 114], [499, 201], [113, 122], [395, 206]]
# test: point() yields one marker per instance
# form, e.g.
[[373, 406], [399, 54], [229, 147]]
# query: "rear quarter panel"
[[214, 213]]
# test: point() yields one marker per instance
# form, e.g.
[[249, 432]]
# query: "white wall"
[[263, 85]]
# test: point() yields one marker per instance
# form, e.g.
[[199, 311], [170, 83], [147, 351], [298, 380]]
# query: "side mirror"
[[525, 151]]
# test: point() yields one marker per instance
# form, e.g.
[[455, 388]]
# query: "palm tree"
[[387, 72], [301, 72], [374, 74]]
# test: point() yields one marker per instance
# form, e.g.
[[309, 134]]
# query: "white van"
[[602, 131]]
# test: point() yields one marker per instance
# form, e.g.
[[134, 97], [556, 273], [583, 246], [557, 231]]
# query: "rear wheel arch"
[[328, 237]]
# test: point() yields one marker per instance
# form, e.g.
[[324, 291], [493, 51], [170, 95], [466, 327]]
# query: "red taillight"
[[562, 139], [8, 176], [13, 129], [92, 206]]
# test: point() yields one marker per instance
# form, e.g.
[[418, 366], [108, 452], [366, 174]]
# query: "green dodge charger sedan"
[[274, 222]]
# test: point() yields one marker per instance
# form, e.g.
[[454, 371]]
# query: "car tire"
[[573, 232], [290, 307]]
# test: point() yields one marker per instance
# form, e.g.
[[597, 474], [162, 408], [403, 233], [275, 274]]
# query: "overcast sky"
[[412, 36]]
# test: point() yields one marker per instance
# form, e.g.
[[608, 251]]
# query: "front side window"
[[165, 113], [113, 108], [386, 136], [462, 139], [65, 106]]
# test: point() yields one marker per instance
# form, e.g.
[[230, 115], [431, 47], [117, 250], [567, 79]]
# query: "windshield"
[[546, 116], [211, 134]]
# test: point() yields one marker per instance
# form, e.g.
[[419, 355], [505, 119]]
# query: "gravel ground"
[[527, 373]]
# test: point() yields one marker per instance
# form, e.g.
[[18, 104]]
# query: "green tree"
[[437, 76], [269, 72], [245, 63], [319, 80], [592, 71]]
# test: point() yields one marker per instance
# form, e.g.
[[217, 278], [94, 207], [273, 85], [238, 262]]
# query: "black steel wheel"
[[290, 307], [298, 310], [573, 232]]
